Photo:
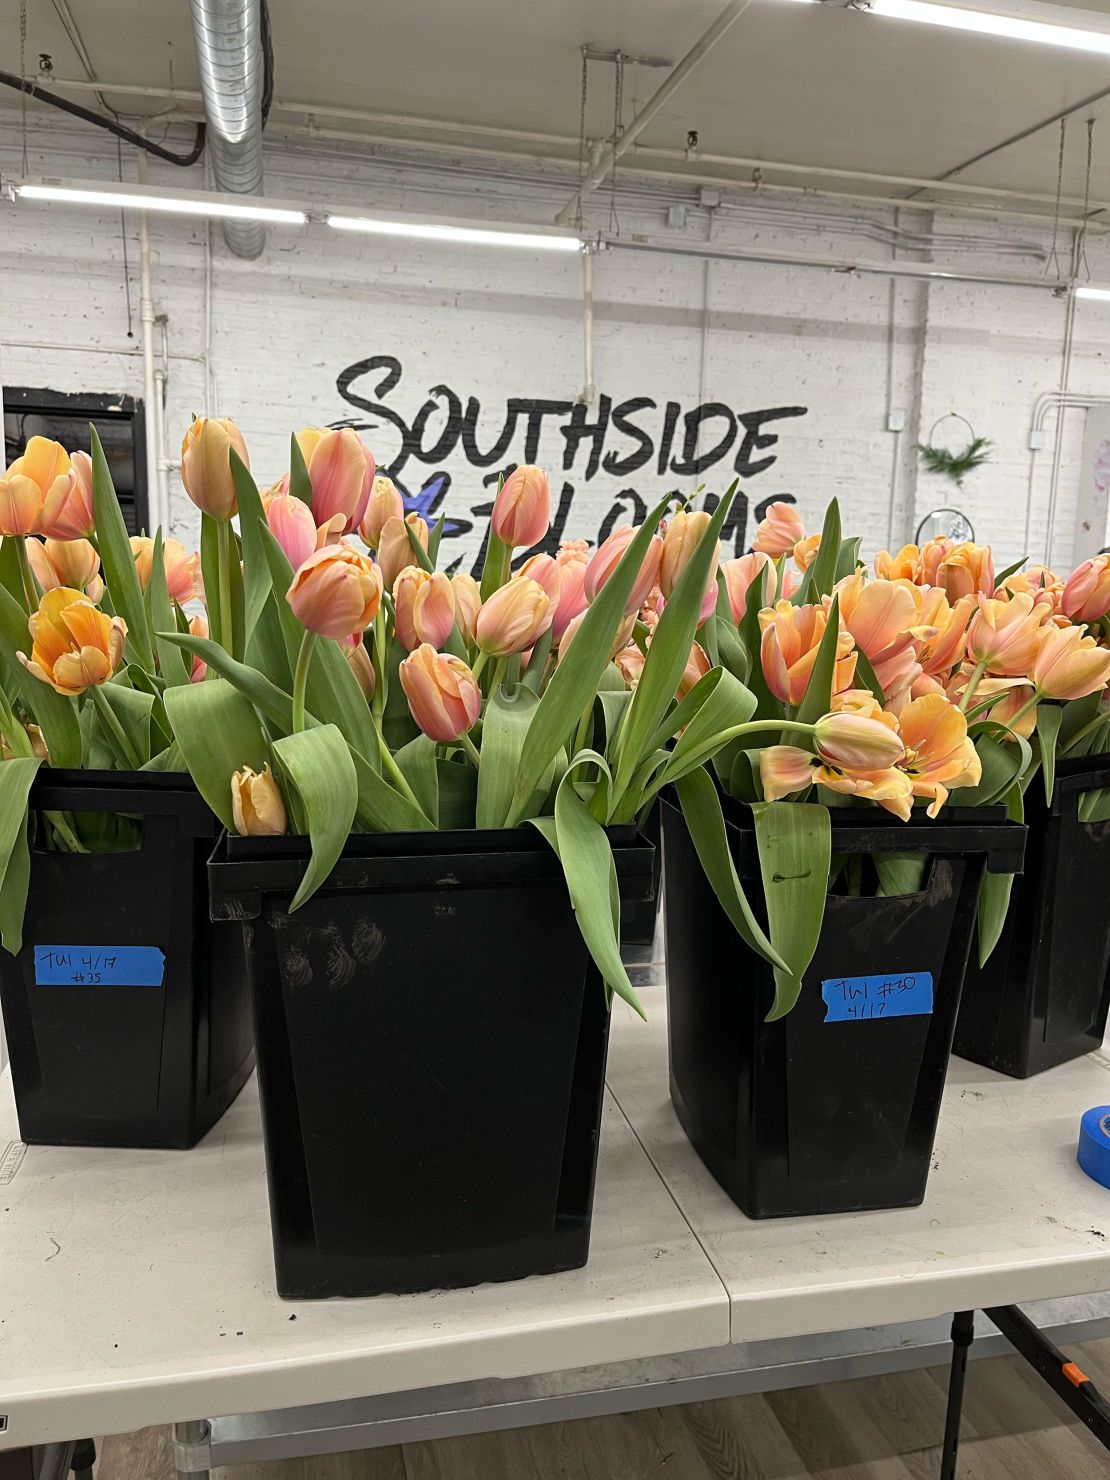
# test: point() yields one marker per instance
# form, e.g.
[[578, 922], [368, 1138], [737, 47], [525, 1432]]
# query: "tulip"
[[72, 563], [939, 752], [882, 616], [805, 551], [1011, 707], [1004, 635], [545, 570], [933, 552], [740, 573], [1087, 592], [791, 582], [788, 650], [443, 694], [74, 645], [522, 508], [336, 591], [513, 618], [967, 570], [1068, 665], [341, 472], [679, 543], [907, 565], [425, 607], [33, 739], [358, 660], [394, 546], [786, 769], [206, 465], [621, 638], [182, 570], [468, 603], [1038, 581], [630, 664], [384, 503], [858, 742], [256, 804], [780, 531], [697, 666], [36, 488], [572, 560], [607, 557], [198, 627], [944, 649], [76, 521], [293, 526]]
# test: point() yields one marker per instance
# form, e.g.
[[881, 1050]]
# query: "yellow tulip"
[[256, 804], [74, 645]]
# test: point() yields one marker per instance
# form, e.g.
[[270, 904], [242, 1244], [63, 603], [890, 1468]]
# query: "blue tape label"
[[99, 966], [852, 999]]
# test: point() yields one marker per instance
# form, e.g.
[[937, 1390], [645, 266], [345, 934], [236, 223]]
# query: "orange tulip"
[[341, 472], [788, 650], [853, 741], [36, 488], [1087, 592], [72, 563], [805, 551], [394, 547], [1068, 665], [206, 465], [384, 503], [182, 570], [198, 627], [607, 557], [739, 575], [513, 618], [1038, 581], [1005, 634], [933, 552], [76, 521], [941, 652], [785, 769], [967, 570], [74, 645], [780, 531], [336, 591], [444, 698], [522, 508], [468, 603], [572, 560], [907, 565], [425, 607], [939, 753], [256, 804]]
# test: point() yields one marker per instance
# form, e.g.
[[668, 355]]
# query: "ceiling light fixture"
[[154, 198], [478, 236], [1018, 21], [1102, 295]]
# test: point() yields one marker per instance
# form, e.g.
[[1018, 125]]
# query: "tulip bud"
[[621, 638], [72, 563], [444, 698], [805, 551], [855, 742], [739, 575], [513, 618], [630, 664], [206, 465], [395, 548], [358, 660], [76, 522], [545, 570], [679, 543], [74, 645], [572, 560], [384, 503], [425, 607], [336, 591], [341, 472], [780, 531], [522, 509], [966, 570], [468, 603], [1069, 665], [697, 666], [293, 526], [256, 804], [607, 557], [198, 627], [1086, 595]]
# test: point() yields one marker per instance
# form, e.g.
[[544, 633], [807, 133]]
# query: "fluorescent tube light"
[[1017, 25], [179, 203], [465, 235], [1102, 295]]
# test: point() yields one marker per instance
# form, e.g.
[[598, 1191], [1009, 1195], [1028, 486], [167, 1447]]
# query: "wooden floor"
[[873, 1429]]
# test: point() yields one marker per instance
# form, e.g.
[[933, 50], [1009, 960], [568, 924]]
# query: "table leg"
[[963, 1334], [82, 1459], [190, 1449]]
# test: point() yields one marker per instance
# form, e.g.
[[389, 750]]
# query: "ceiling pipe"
[[659, 99], [228, 36]]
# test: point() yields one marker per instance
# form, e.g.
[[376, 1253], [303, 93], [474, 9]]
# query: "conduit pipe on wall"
[[151, 418]]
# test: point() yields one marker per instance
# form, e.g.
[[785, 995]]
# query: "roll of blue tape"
[[1094, 1144]]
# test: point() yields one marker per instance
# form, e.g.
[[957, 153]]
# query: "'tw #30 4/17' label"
[[99, 966], [856, 999]]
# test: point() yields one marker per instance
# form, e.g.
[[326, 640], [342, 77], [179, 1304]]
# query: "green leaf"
[[817, 699], [583, 849], [1076, 715], [118, 559], [994, 891], [318, 764], [865, 675], [417, 763], [381, 808], [435, 535], [210, 572], [576, 679], [218, 733], [533, 675], [1011, 570], [11, 575], [1049, 717], [266, 649], [458, 794], [134, 710], [701, 806], [55, 714], [175, 670], [256, 573], [795, 851], [266, 697], [300, 485], [504, 729], [823, 569], [169, 759], [731, 651], [722, 704], [420, 557], [16, 777], [767, 706], [1001, 767], [900, 873], [848, 559]]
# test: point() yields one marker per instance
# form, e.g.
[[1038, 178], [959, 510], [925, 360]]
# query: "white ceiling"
[[820, 86]]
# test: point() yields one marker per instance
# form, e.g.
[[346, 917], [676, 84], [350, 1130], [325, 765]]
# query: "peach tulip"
[[341, 472], [1068, 665], [65, 563], [854, 741], [1004, 635], [545, 570], [358, 660], [384, 503], [805, 551], [425, 607], [572, 560], [681, 539], [1011, 695], [697, 666], [76, 521], [293, 526], [788, 650], [444, 697], [336, 591], [74, 645], [944, 649], [1086, 595], [198, 627], [967, 570], [206, 465], [630, 664], [739, 575], [34, 740], [394, 546], [933, 552], [256, 804], [182, 570], [1038, 581], [468, 603], [607, 557], [907, 565], [940, 755], [513, 618], [780, 531], [621, 639], [522, 508], [35, 489], [786, 769]]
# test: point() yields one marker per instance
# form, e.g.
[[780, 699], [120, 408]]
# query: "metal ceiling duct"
[[230, 55]]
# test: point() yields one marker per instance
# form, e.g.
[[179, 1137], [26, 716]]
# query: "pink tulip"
[[292, 525], [741, 572], [572, 560], [358, 660], [425, 607], [444, 698], [780, 531], [545, 570], [76, 522], [336, 591], [607, 557], [341, 472], [198, 627], [468, 603], [394, 547], [522, 509], [1087, 592]]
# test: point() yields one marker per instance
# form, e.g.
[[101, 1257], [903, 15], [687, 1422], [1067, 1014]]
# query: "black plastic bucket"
[[127, 1011], [834, 1107], [638, 916], [431, 1041], [1043, 996]]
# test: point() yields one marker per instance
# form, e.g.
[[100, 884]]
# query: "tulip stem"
[[300, 680], [973, 683], [471, 749], [381, 641], [115, 730], [1088, 729], [30, 586], [396, 775], [479, 663], [65, 832], [498, 674], [223, 549]]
